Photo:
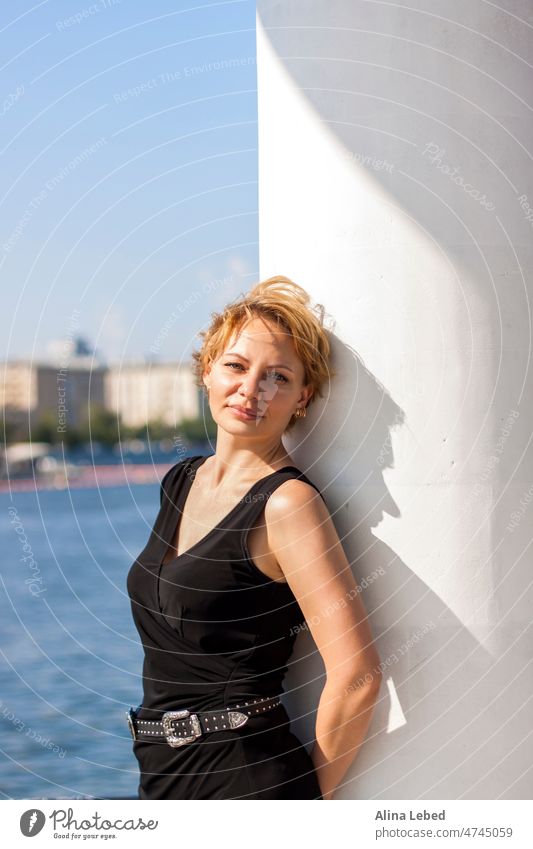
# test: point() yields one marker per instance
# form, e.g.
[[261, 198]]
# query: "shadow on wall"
[[417, 711], [403, 156]]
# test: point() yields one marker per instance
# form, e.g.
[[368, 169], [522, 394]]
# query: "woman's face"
[[258, 371]]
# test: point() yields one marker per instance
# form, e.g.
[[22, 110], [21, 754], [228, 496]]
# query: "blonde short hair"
[[282, 302]]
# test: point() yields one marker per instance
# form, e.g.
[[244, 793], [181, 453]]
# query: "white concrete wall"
[[395, 172]]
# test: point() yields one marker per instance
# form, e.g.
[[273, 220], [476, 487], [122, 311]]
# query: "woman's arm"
[[342, 721], [303, 538]]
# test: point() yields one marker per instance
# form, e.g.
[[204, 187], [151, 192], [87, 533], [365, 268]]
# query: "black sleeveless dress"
[[216, 631]]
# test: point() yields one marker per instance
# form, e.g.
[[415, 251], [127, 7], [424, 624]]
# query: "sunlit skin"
[[297, 542], [259, 370]]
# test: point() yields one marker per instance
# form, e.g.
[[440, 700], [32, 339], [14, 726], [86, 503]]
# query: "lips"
[[246, 411]]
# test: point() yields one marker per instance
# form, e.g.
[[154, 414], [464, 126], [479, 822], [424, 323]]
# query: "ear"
[[307, 393]]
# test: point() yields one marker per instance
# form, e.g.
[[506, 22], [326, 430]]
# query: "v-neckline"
[[180, 507]]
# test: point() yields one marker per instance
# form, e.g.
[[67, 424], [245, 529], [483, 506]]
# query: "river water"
[[70, 656]]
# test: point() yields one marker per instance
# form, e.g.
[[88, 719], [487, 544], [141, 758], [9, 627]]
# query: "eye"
[[276, 373]]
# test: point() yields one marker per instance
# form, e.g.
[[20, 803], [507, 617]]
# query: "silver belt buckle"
[[131, 716], [168, 718]]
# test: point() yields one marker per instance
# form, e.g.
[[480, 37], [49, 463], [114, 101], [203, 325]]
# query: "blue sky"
[[129, 172]]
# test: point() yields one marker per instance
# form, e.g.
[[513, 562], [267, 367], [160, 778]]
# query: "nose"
[[261, 390], [249, 390], [250, 386]]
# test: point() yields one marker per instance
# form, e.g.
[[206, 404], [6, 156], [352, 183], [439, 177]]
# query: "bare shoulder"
[[294, 512], [294, 494], [293, 488]]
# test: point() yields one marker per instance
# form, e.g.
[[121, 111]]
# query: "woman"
[[242, 553]]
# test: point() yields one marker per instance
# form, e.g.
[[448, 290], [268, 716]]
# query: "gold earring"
[[301, 412]]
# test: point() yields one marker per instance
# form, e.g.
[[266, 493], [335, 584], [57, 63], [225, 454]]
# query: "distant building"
[[148, 391], [30, 391], [65, 391], [69, 392], [18, 390]]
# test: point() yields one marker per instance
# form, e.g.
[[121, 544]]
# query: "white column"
[[396, 186]]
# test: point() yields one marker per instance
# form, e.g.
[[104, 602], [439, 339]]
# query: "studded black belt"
[[178, 727]]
